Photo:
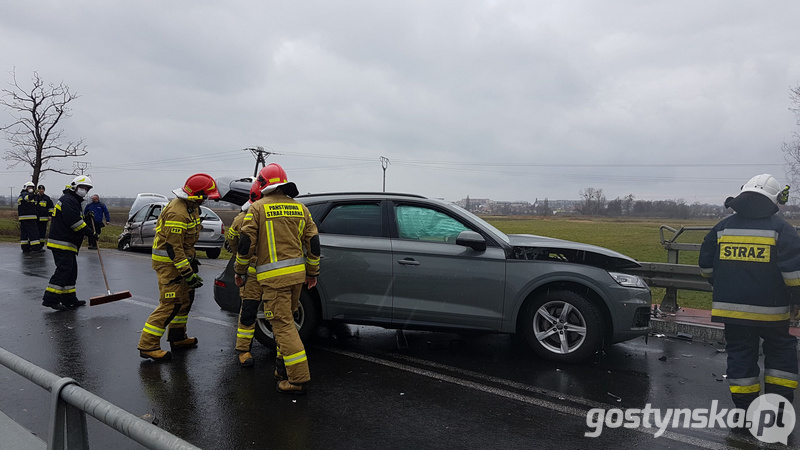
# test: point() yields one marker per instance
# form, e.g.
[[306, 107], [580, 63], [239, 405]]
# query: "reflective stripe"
[[707, 272], [745, 389], [732, 233], [300, 230], [296, 358], [750, 312], [280, 265], [251, 269], [791, 278], [248, 216], [242, 261], [175, 224], [61, 245], [280, 272], [28, 217], [743, 381], [746, 240], [182, 263], [273, 256], [245, 334], [162, 258], [780, 382], [312, 261], [179, 320], [78, 225], [160, 252], [154, 330], [60, 289], [43, 219]]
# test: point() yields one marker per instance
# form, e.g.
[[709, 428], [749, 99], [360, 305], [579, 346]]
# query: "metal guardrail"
[[71, 403]]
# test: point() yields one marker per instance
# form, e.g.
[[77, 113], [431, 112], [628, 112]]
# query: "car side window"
[[425, 224], [139, 216], [363, 219], [154, 213]]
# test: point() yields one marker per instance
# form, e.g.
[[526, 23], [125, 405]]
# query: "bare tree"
[[791, 150], [35, 136], [594, 202]]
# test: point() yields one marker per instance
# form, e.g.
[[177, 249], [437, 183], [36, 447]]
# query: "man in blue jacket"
[[99, 211], [752, 259]]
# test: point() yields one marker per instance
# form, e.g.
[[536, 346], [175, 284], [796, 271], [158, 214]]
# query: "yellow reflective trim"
[[180, 319], [242, 261], [746, 389], [154, 330], [59, 291], [747, 240], [246, 334], [161, 258], [61, 247], [273, 255], [182, 263], [296, 358], [750, 315], [283, 271], [792, 282], [780, 381], [175, 223]]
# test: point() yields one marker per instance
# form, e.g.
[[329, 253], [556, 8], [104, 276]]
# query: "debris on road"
[[663, 358], [619, 399]]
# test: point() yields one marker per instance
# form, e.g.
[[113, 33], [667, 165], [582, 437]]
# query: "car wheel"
[[124, 243], [306, 319], [213, 253], [562, 326]]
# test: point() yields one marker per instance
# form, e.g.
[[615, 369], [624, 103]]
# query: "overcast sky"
[[509, 100]]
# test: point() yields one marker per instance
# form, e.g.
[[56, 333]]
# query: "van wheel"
[[562, 326], [213, 253], [306, 319]]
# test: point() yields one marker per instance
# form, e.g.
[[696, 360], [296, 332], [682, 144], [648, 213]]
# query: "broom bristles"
[[100, 299]]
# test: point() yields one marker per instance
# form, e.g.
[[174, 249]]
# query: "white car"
[[140, 229]]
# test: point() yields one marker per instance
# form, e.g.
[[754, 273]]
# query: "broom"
[[109, 297]]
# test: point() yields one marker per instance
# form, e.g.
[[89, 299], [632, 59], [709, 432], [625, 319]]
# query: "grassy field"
[[637, 238]]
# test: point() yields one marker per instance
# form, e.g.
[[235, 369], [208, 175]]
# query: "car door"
[[134, 226], [148, 229], [436, 281], [356, 260]]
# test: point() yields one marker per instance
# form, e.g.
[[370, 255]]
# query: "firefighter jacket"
[[44, 207], [233, 234], [68, 228], [26, 206], [281, 233], [752, 259], [177, 230]]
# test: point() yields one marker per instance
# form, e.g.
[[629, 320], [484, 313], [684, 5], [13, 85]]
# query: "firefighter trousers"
[[42, 225], [175, 300], [279, 306], [29, 235], [780, 362], [251, 298], [61, 288]]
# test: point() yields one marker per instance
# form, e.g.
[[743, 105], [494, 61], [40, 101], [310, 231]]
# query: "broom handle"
[[100, 257]]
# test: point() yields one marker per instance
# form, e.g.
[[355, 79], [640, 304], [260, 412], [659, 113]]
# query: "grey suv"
[[410, 262]]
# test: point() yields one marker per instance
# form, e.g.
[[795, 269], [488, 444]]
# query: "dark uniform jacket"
[[26, 206], [752, 259], [68, 228], [44, 207]]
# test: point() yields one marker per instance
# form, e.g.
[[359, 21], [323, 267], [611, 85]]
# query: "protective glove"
[[194, 263], [783, 196], [194, 281]]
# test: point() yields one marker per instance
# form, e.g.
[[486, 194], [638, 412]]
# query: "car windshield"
[[486, 224]]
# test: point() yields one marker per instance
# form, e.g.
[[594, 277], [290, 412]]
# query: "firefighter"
[[281, 233], [44, 210], [66, 236], [752, 260], [26, 211], [250, 293], [177, 230]]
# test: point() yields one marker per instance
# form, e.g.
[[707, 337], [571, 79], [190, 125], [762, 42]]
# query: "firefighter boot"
[[189, 342], [285, 387], [156, 355], [246, 359]]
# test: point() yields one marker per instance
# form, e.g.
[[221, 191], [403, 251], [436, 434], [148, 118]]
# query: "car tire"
[[124, 244], [566, 338], [213, 253], [306, 319]]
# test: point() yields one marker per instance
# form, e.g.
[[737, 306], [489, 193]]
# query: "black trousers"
[[42, 224], [62, 284], [29, 235], [780, 362]]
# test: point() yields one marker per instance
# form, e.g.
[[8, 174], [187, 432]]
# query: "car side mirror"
[[472, 240]]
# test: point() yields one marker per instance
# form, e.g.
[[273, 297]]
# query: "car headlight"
[[623, 279]]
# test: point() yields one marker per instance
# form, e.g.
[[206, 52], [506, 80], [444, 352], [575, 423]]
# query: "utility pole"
[[80, 165], [384, 163], [261, 157]]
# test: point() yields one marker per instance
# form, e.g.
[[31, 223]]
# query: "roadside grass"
[[637, 238]]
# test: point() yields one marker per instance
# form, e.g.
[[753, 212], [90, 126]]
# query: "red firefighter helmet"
[[198, 187], [255, 191], [273, 176]]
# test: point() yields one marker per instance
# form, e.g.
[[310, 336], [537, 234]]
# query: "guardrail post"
[[68, 424], [669, 304]]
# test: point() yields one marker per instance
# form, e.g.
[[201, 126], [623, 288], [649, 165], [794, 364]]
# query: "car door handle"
[[408, 262]]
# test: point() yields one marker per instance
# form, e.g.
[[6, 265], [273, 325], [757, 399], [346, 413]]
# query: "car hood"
[[234, 190], [529, 246]]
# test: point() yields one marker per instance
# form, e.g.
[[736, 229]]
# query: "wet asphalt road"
[[444, 391]]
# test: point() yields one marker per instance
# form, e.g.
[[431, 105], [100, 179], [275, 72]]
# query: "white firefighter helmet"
[[764, 184], [81, 180], [28, 184]]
